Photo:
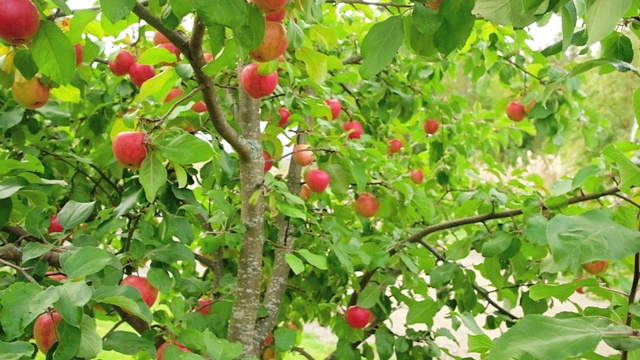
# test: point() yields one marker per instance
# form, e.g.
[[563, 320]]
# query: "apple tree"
[[208, 178]]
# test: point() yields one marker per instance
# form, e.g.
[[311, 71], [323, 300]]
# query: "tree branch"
[[362, 2], [20, 269], [179, 40]]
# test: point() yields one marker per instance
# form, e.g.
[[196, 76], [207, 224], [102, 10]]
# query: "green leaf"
[[559, 291], [536, 230], [126, 297], [479, 343], [85, 261], [15, 350], [319, 261], [622, 342], [285, 339], [16, 302], [290, 211], [24, 62], [629, 172], [116, 10], [158, 86], [618, 46], [636, 104], [230, 13], [6, 206], [422, 312], [172, 253], [67, 93], [72, 297], [128, 343], [221, 349], [154, 56], [569, 20], [33, 250], [338, 178], [500, 241], [575, 240], [128, 201], [426, 20], [63, 6], [518, 13], [554, 339], [153, 176], [380, 45], [184, 148], [456, 26], [159, 279], [10, 118], [53, 53], [315, 63], [295, 263], [251, 33], [90, 341], [602, 18], [75, 213], [10, 186], [369, 296], [384, 342]]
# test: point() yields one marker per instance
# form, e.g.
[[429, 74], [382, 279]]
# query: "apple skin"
[[147, 291], [270, 5], [417, 176], [207, 57], [53, 275], [433, 4], [515, 111], [277, 16], [269, 339], [79, 53], [357, 317], [199, 107], [30, 94], [596, 267], [19, 21], [45, 330], [129, 148], [301, 155], [161, 348], [204, 306], [141, 73], [268, 161], [431, 126], [394, 146], [335, 106], [354, 129], [55, 226], [269, 354], [305, 193], [274, 43], [159, 38], [317, 180], [366, 205], [173, 93], [257, 85], [172, 49], [121, 63], [284, 117]]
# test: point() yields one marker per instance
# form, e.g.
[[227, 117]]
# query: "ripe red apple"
[[147, 291], [277, 16], [357, 317], [515, 111], [305, 193], [257, 85], [204, 306], [269, 339], [121, 63], [274, 43], [173, 93], [159, 38], [172, 49], [19, 21], [431, 126], [31, 94], [129, 148], [55, 226], [161, 348], [199, 107], [596, 267], [284, 116], [433, 4], [270, 5], [395, 145], [354, 129], [141, 73], [335, 106], [417, 176], [366, 204], [317, 180], [79, 54], [45, 330], [207, 57], [268, 161], [56, 276], [301, 155]]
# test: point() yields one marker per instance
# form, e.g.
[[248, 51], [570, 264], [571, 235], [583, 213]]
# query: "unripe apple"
[[366, 204], [269, 354], [277, 16], [284, 117], [45, 330], [55, 226], [596, 267], [56, 276], [257, 85], [335, 106], [19, 21], [129, 148], [301, 155], [141, 73], [31, 94], [121, 63], [161, 348], [268, 161], [394, 146], [515, 111], [270, 5], [147, 291], [431, 126], [357, 317], [173, 93], [417, 176], [204, 306], [305, 193], [172, 49], [199, 107], [274, 43], [79, 54], [159, 38], [317, 180], [354, 129]]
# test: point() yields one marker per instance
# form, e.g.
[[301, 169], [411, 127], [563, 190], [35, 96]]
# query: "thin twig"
[[174, 106], [115, 326], [514, 64], [627, 199], [633, 292], [302, 352], [20, 269]]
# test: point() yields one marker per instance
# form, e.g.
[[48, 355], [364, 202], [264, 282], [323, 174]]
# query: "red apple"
[[129, 148], [56, 276], [433, 4], [305, 193], [159, 38], [515, 111], [161, 348], [31, 94], [207, 57], [354, 129], [284, 116], [45, 330], [19, 21], [395, 145], [269, 354], [317, 180], [335, 106], [274, 43], [55, 226], [172, 49], [121, 63], [257, 85], [268, 161], [357, 317], [270, 5], [79, 53], [204, 306], [141, 73], [596, 267], [199, 107], [366, 205], [269, 339], [417, 176], [277, 16], [431, 126], [301, 155], [147, 291], [173, 93]]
